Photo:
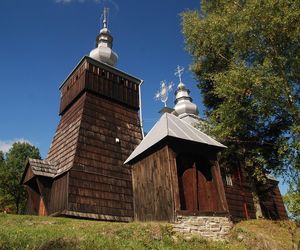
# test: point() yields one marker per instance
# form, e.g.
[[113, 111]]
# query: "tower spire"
[[104, 42]]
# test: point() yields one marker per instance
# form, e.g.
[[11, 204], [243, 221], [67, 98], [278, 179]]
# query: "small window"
[[228, 180]]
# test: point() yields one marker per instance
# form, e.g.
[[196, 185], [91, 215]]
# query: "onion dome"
[[183, 102], [104, 41]]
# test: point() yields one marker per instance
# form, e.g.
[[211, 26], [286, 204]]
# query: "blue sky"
[[43, 40]]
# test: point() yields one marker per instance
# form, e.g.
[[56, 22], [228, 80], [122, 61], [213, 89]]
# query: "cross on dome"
[[179, 72], [105, 17], [104, 42]]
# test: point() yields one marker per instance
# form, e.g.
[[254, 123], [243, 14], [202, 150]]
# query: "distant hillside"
[[30, 232]]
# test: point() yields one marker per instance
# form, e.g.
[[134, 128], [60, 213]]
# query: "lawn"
[[32, 232]]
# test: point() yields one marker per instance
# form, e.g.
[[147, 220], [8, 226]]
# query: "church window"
[[228, 179]]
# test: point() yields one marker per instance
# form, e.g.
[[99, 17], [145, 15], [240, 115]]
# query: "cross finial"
[[162, 94], [179, 72], [105, 17]]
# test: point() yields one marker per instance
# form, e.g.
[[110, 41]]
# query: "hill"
[[31, 232]]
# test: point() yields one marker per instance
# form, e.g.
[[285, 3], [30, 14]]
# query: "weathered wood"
[[58, 195], [29, 174], [33, 202], [271, 201], [98, 130], [198, 180], [100, 80], [152, 185], [223, 206], [174, 179]]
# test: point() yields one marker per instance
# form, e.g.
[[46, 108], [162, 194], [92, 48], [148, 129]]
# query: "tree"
[[12, 194], [246, 57], [1, 158], [292, 200]]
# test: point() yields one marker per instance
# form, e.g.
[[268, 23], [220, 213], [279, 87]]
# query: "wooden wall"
[[239, 197], [152, 187], [63, 147], [98, 130], [99, 183], [95, 77], [271, 203], [58, 195], [33, 200]]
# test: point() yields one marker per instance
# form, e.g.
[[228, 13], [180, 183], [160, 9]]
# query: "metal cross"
[[105, 17], [162, 94], [179, 72]]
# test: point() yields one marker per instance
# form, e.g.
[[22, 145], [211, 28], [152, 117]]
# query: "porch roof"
[[172, 126]]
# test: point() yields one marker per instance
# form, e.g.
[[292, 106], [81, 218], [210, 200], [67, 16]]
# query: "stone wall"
[[211, 227]]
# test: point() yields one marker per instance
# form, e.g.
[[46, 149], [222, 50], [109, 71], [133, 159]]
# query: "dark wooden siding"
[[89, 76], [239, 197], [44, 185], [33, 200], [279, 204], [200, 185], [73, 87], [240, 201], [271, 202], [63, 147], [98, 194], [99, 183], [98, 130], [59, 195], [152, 187]]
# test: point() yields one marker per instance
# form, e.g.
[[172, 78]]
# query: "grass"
[[32, 232]]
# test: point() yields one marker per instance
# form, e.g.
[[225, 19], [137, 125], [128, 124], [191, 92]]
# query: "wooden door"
[[207, 193], [190, 189], [198, 189]]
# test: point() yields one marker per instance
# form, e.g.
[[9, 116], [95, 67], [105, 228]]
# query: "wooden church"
[[99, 165], [83, 174]]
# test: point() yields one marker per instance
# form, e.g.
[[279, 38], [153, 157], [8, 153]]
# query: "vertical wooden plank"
[[174, 182], [219, 185], [203, 193]]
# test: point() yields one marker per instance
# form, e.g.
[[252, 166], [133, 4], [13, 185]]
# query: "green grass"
[[32, 232]]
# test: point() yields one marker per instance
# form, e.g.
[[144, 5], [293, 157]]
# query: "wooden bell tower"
[[84, 175]]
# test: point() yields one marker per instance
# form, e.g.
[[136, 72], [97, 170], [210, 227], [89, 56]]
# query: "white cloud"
[[6, 145]]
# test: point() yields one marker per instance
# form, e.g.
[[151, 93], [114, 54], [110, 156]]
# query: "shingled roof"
[[170, 125], [43, 167]]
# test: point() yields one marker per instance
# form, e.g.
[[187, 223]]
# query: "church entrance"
[[197, 188]]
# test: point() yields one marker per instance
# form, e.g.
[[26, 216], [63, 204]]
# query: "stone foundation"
[[211, 227]]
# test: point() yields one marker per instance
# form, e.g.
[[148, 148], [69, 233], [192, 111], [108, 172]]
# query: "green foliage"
[[12, 166], [246, 57], [292, 200]]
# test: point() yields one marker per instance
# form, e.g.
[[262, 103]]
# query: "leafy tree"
[[12, 194], [1, 158], [292, 200], [246, 57], [2, 169]]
